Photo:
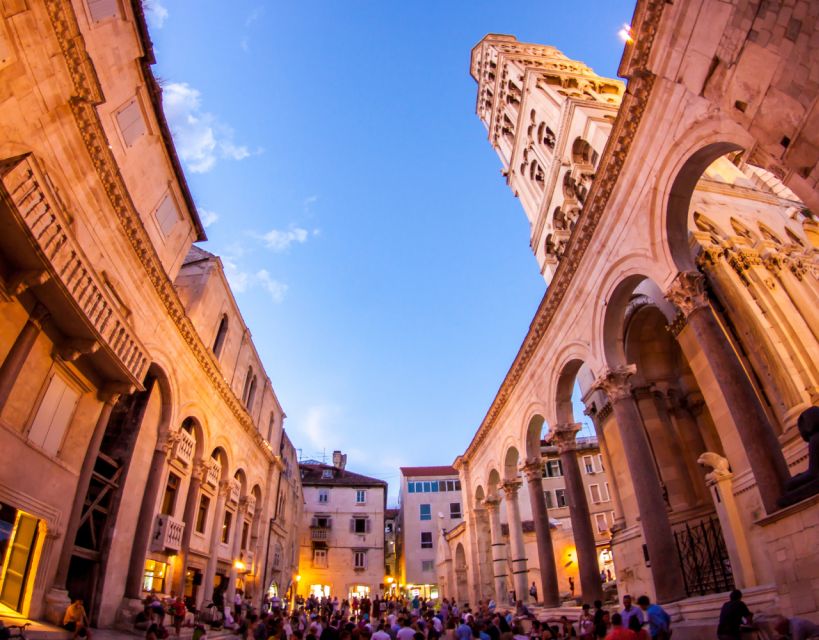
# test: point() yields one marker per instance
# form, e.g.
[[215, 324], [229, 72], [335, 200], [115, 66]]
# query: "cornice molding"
[[631, 111], [83, 106]]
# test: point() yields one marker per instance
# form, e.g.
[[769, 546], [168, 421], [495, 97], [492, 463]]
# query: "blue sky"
[[379, 259]]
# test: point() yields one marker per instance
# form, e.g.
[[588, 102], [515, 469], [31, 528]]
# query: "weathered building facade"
[[672, 220], [342, 532], [142, 438]]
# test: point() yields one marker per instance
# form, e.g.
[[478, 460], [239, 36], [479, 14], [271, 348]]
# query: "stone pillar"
[[498, 549], [549, 590], [720, 484], [236, 549], [483, 576], [189, 517], [761, 446], [57, 597], [18, 354], [772, 370], [563, 437], [213, 546], [520, 573], [665, 568], [145, 522]]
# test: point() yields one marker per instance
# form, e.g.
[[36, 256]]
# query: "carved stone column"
[[142, 534], [483, 577], [58, 592], [564, 438], [549, 589], [520, 573], [198, 474], [213, 546], [498, 549], [720, 484], [745, 315], [665, 568], [725, 370], [236, 549], [18, 354]]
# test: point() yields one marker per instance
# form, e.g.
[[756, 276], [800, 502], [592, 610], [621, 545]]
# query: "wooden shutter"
[[367, 525], [53, 415], [352, 525]]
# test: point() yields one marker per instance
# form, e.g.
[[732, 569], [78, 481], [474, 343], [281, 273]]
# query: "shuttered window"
[[166, 215], [102, 9], [54, 415], [131, 123]]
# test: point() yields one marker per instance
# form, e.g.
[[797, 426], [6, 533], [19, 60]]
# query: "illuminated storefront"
[[21, 538]]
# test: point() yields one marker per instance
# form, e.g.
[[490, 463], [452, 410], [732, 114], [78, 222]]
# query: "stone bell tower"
[[548, 118]]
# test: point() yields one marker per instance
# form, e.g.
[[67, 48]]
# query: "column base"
[[127, 613], [56, 602]]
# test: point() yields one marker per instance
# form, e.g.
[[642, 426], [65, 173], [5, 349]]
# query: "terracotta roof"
[[196, 254], [415, 472], [391, 513], [312, 475]]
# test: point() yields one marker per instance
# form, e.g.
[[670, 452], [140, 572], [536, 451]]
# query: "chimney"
[[339, 461]]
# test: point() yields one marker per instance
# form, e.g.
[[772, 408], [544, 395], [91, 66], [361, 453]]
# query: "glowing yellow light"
[[298, 578], [390, 580], [625, 34], [239, 565]]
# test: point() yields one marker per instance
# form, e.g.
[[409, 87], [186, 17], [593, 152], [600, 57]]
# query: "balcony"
[[319, 534], [235, 491], [183, 447], [214, 472], [250, 504], [37, 239], [167, 534]]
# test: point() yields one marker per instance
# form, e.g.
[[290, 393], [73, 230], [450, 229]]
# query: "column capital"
[[564, 436], [721, 467], [687, 292], [199, 470], [224, 488], [615, 382], [533, 470], [510, 488], [492, 503]]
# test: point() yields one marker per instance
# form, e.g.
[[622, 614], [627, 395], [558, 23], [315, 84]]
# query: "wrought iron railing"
[[704, 558]]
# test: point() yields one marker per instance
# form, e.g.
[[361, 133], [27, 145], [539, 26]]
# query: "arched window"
[[221, 332], [246, 388], [271, 425], [251, 394]]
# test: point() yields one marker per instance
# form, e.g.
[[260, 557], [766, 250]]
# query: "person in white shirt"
[[381, 634]]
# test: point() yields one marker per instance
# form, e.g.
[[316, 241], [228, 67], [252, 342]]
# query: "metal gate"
[[703, 557]]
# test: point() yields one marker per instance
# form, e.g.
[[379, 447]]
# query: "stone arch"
[[461, 584], [192, 425], [511, 459], [221, 456], [534, 434], [480, 495], [492, 483]]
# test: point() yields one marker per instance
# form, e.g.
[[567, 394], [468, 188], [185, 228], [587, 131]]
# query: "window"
[[153, 578], [427, 487], [326, 474], [388, 527], [221, 333], [554, 469], [594, 490], [100, 10], [426, 512], [588, 464], [166, 215], [361, 496], [226, 527], [324, 496], [320, 558], [360, 525], [600, 461], [450, 485], [455, 510], [359, 560], [434, 487], [131, 123], [548, 495], [560, 497], [419, 487], [600, 521], [53, 415], [426, 540], [411, 487], [202, 514], [457, 485], [169, 499], [427, 565]]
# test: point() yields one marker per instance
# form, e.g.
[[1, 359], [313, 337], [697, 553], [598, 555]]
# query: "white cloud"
[[320, 425], [280, 240], [275, 288], [208, 217], [156, 13], [200, 138], [254, 15], [239, 280], [309, 200]]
